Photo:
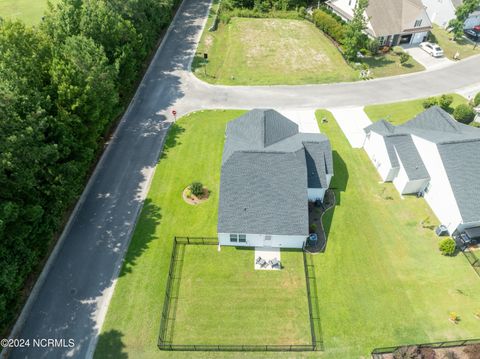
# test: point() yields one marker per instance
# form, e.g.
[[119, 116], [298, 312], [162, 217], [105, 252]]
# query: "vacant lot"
[[222, 300], [270, 51], [464, 47], [381, 281], [400, 112], [29, 11]]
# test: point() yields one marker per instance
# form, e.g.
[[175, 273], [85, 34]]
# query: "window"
[[418, 23], [233, 238], [242, 238]]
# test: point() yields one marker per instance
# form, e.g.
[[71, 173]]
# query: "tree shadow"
[[110, 346], [378, 61], [171, 141], [144, 233]]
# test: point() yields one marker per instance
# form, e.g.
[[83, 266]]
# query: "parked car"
[[473, 34], [432, 49]]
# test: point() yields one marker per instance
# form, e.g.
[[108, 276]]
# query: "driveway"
[[352, 121], [428, 61], [71, 299]]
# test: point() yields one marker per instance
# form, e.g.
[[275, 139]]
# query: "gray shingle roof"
[[459, 149], [267, 168], [264, 193], [408, 155]]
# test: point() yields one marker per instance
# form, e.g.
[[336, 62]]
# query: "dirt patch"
[[193, 200]]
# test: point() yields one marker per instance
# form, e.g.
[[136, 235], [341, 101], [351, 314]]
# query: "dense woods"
[[62, 84]]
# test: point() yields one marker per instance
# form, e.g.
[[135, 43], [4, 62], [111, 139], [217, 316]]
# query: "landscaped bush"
[[404, 57], [373, 45], [429, 102], [464, 113], [329, 25], [476, 100], [445, 101], [447, 246], [197, 189], [226, 15]]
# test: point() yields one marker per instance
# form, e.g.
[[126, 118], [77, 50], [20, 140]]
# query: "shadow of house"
[[340, 180]]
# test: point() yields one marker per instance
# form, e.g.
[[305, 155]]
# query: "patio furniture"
[[275, 263], [261, 262]]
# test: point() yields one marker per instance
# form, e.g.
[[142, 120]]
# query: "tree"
[[404, 57], [355, 38], [476, 100], [464, 113], [447, 246], [197, 189], [429, 102], [461, 15], [445, 101]]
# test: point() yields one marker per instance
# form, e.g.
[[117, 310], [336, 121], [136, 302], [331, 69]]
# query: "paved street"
[[76, 290]]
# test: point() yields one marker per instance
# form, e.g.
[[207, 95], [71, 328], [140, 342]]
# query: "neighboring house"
[[442, 11], [391, 22], [435, 156], [269, 173]]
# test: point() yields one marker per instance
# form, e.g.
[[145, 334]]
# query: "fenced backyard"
[[216, 301]]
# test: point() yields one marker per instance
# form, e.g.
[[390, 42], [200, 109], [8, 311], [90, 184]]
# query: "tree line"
[[62, 84]]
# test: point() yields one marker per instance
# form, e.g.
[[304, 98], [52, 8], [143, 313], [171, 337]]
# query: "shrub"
[[464, 113], [329, 25], [373, 45], [447, 246], [476, 100], [313, 228], [429, 102], [197, 189], [453, 316], [445, 101], [404, 57]]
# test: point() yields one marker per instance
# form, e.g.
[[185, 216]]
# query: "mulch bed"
[[194, 200]]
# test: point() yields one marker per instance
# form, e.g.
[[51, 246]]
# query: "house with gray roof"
[[441, 12], [434, 156], [391, 22], [269, 173]]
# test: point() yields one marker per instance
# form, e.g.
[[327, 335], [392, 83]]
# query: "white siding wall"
[[405, 186], [258, 240], [377, 151], [400, 182], [440, 11], [440, 195], [316, 193]]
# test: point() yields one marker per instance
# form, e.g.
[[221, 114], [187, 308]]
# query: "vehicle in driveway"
[[432, 49], [473, 34]]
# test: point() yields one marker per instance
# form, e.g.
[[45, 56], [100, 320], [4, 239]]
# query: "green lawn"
[[381, 281], [389, 64], [450, 47], [270, 51], [400, 112], [223, 300], [29, 11]]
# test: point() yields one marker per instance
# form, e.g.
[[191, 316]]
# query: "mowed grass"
[[223, 300], [384, 65], [381, 282], [400, 112], [29, 11], [464, 47], [270, 52]]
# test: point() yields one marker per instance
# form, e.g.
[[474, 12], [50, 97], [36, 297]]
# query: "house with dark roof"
[[269, 173], [391, 22], [434, 156], [441, 12]]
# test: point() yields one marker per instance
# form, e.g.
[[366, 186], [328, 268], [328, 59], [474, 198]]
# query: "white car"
[[432, 49]]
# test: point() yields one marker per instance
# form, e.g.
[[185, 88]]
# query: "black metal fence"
[[165, 339], [473, 260], [378, 352], [313, 310]]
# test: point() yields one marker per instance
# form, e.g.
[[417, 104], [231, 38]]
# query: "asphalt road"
[[72, 299]]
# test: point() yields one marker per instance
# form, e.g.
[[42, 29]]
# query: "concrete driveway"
[[425, 59], [352, 121], [305, 119]]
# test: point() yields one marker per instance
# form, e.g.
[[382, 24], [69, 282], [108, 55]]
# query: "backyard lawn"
[[464, 47], [222, 300], [29, 11], [400, 112], [381, 281]]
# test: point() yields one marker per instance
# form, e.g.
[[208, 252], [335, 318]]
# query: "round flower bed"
[[193, 200]]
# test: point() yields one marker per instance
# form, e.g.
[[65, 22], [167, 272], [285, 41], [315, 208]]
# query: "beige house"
[[392, 22]]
